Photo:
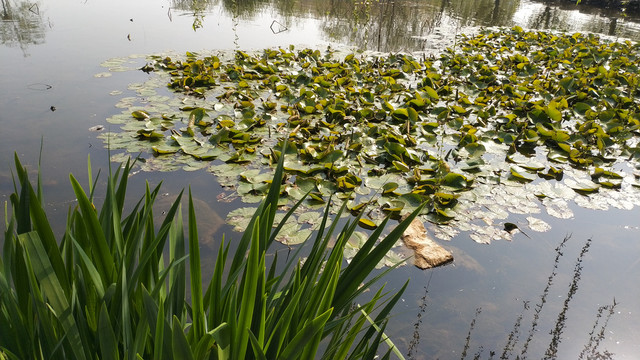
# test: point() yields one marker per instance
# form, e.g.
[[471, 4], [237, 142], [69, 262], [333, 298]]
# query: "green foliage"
[[555, 106], [114, 286]]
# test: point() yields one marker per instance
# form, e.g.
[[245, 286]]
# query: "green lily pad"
[[412, 130]]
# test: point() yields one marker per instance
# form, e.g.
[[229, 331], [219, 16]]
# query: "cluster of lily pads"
[[504, 122]]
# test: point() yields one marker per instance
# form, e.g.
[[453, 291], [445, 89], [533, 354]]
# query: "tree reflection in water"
[[409, 25], [22, 24], [591, 349]]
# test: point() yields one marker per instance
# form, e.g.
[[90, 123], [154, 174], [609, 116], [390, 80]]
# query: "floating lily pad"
[[463, 139], [538, 225]]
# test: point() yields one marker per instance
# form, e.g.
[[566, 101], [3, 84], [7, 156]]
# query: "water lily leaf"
[[560, 136], [400, 114], [581, 108], [358, 207], [583, 186], [348, 182], [393, 206], [538, 225], [552, 173], [166, 148], [458, 109], [316, 196], [475, 149], [444, 200], [520, 174], [456, 181], [352, 140], [150, 134], [600, 172], [553, 113], [557, 156], [389, 187], [239, 218], [367, 224], [140, 115], [292, 234], [401, 166], [610, 184], [331, 157], [525, 162], [196, 117], [413, 115], [431, 92]]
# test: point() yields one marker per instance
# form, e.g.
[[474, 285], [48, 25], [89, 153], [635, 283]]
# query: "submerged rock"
[[208, 220], [427, 253]]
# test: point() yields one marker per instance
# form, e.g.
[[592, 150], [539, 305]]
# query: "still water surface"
[[485, 303]]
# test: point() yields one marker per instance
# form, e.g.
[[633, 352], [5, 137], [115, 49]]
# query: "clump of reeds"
[[115, 286]]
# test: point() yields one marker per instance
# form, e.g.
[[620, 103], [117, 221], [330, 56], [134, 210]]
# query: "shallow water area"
[[67, 64]]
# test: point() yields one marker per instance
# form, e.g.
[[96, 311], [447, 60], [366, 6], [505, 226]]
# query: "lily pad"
[[477, 141]]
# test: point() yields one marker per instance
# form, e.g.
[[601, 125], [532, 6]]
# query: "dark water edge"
[[51, 53]]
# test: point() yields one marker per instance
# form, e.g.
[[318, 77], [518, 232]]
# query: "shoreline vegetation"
[[115, 285]]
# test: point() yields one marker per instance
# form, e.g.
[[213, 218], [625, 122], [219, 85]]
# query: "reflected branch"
[[596, 334], [557, 331], [416, 326], [595, 337], [514, 335], [543, 297], [468, 339]]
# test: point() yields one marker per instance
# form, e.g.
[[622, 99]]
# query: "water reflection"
[[514, 348], [559, 15], [409, 25], [22, 24]]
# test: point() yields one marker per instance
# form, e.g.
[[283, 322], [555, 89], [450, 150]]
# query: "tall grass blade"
[[249, 289], [108, 342], [214, 296], [39, 184], [23, 216], [222, 337], [181, 349], [304, 336], [102, 253], [125, 313], [257, 348], [90, 269], [197, 306], [158, 336], [154, 309], [177, 274], [380, 330], [42, 226], [52, 289], [87, 295]]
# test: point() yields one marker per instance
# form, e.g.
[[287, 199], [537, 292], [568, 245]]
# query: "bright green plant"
[[504, 122], [115, 286]]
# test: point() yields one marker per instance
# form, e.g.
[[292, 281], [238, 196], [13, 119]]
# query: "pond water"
[[53, 89]]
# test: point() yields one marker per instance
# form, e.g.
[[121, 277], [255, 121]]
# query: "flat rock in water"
[[427, 253]]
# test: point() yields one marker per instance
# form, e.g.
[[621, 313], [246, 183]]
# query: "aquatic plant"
[[115, 286], [506, 122]]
